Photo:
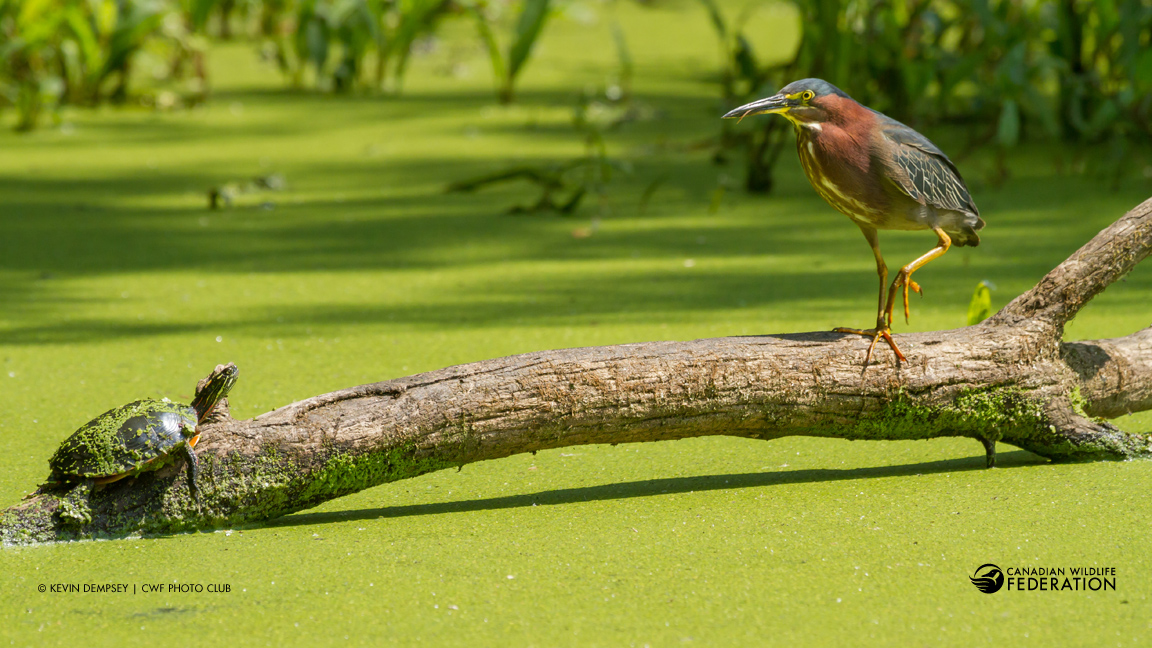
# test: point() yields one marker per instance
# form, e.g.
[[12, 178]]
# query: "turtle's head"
[[213, 388]]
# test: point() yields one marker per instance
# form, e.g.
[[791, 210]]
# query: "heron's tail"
[[967, 234]]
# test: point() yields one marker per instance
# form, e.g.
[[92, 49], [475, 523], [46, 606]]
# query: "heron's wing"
[[923, 171]]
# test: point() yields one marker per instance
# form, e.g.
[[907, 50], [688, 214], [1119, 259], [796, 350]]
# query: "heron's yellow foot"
[[903, 283], [875, 333]]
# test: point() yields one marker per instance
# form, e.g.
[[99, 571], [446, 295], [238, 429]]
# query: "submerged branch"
[[1008, 380]]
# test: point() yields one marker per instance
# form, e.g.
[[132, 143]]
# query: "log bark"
[[1010, 380]]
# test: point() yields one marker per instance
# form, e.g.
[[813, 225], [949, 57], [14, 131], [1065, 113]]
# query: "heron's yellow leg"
[[881, 271], [903, 278], [882, 329]]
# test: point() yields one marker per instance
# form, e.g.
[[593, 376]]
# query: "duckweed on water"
[[118, 284]]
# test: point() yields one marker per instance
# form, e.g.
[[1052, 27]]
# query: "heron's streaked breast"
[[841, 196]]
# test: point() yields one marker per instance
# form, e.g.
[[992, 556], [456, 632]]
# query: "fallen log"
[[1010, 379]]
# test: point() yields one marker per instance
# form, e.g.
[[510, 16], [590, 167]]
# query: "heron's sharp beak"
[[774, 104]]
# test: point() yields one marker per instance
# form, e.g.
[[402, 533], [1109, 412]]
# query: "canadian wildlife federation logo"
[[988, 578]]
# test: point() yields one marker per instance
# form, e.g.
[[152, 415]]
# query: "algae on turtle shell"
[[142, 436]]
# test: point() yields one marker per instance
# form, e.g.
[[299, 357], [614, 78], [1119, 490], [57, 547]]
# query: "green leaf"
[[980, 308], [135, 24], [85, 37], [489, 39], [532, 18], [416, 18]]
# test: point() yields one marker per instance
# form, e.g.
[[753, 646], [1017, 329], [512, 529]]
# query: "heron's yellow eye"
[[807, 96]]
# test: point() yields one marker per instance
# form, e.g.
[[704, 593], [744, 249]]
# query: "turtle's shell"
[[128, 440]]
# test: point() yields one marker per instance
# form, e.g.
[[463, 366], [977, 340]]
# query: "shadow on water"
[[670, 485]]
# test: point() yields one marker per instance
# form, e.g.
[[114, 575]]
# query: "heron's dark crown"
[[819, 86]]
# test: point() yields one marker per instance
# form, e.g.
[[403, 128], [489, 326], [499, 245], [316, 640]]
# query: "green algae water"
[[117, 283]]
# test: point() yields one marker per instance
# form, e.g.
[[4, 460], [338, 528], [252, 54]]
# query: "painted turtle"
[[138, 437]]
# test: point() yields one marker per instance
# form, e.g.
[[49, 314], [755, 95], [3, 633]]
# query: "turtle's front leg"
[[193, 472], [74, 508]]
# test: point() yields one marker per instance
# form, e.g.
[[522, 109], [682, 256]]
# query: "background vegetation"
[[1076, 71], [336, 257]]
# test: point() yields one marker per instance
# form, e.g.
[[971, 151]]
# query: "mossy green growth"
[[127, 439], [1078, 402], [344, 473], [985, 413], [274, 484], [74, 509]]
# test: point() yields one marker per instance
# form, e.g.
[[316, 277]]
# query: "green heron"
[[881, 174]]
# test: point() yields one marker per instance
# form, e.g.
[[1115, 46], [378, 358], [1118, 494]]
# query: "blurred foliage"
[[1079, 71], [82, 52], [336, 37], [1075, 70]]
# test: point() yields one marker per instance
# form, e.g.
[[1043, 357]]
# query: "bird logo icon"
[[988, 578]]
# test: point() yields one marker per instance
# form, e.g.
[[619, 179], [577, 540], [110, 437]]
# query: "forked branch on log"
[[1010, 379]]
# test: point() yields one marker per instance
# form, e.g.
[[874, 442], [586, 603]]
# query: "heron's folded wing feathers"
[[925, 173]]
